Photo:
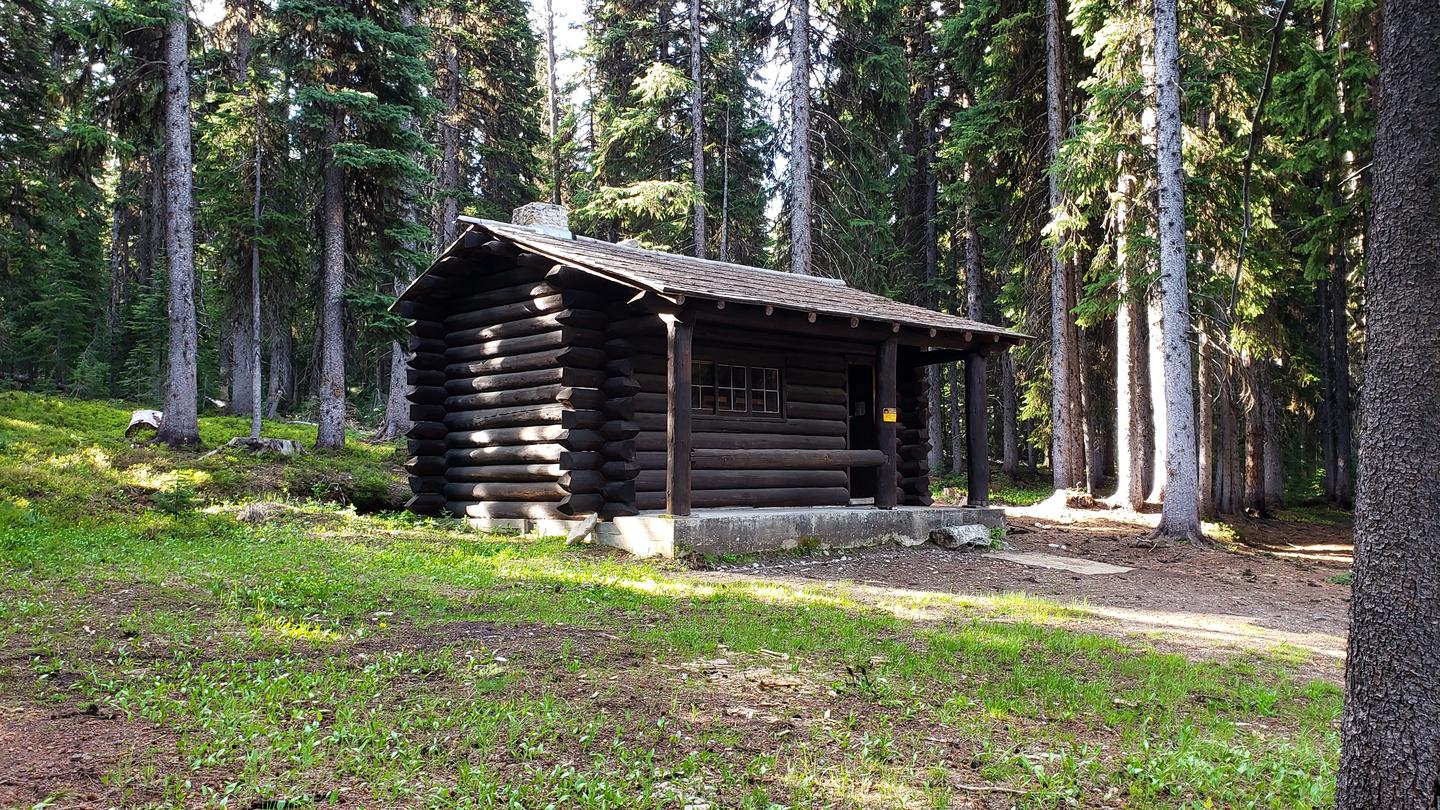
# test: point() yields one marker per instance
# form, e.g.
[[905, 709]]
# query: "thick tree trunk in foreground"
[[1180, 514], [800, 187], [697, 129], [181, 424], [1390, 756], [1067, 457], [331, 387]]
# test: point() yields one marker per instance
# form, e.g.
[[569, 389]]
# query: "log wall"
[[743, 460], [509, 384]]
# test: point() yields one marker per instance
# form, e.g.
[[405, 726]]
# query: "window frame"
[[747, 363]]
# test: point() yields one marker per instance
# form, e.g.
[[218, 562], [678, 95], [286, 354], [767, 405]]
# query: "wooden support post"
[[977, 440], [885, 424], [677, 416]]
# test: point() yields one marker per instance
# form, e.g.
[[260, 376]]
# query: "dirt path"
[[1273, 592]]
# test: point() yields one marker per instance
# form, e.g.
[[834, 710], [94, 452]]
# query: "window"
[[702, 387], [764, 390], [729, 390]]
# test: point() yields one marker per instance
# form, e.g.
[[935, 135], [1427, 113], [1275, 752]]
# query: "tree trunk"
[[282, 376], [1092, 413], [1067, 457], [957, 409], [553, 88], [697, 129], [1129, 402], [1205, 427], [1155, 387], [1255, 500], [1009, 404], [725, 190], [801, 246], [181, 425], [1180, 514], [1342, 429], [1274, 460], [448, 178], [1390, 754], [331, 387], [1324, 418]]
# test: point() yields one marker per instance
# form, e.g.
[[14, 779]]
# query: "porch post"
[[885, 428], [677, 415], [977, 439]]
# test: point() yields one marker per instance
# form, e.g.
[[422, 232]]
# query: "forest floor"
[[181, 631]]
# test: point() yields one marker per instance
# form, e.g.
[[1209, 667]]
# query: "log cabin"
[[554, 377]]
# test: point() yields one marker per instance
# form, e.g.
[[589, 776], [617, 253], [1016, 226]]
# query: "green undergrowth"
[[322, 656], [73, 454], [1004, 490]]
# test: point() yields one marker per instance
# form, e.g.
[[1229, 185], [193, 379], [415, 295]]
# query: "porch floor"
[[723, 531]]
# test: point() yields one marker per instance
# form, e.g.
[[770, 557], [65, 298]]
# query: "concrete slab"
[[1078, 565], [717, 532]]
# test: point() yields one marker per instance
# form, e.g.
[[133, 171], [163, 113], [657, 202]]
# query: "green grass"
[[1004, 490], [329, 656]]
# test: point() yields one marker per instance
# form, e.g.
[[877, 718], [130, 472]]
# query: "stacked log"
[[522, 409], [751, 460], [913, 440], [425, 378], [626, 333]]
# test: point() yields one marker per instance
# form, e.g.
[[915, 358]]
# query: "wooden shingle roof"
[[672, 275]]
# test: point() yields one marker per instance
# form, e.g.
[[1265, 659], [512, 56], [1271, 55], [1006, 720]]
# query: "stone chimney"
[[547, 218]]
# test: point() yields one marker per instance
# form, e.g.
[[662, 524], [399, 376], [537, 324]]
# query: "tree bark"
[[331, 387], [448, 177], [181, 425], [1180, 514], [1129, 400], [553, 87], [1067, 457], [1342, 428], [1390, 754], [697, 129], [282, 377], [1274, 460], [1205, 427], [256, 390], [1009, 405], [1255, 382], [1155, 388], [801, 247]]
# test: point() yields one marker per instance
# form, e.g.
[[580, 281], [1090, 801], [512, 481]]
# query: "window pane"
[[730, 389]]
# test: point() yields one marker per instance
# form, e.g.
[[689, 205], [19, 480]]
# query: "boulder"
[[962, 538]]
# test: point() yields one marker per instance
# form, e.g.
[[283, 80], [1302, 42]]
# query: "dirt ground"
[[1273, 590]]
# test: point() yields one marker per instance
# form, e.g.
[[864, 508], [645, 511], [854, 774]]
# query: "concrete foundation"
[[717, 532]]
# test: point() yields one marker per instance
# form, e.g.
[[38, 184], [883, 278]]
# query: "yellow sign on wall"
[[890, 415]]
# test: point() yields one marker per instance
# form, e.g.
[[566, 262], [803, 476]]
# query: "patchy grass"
[[325, 656], [1004, 490]]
